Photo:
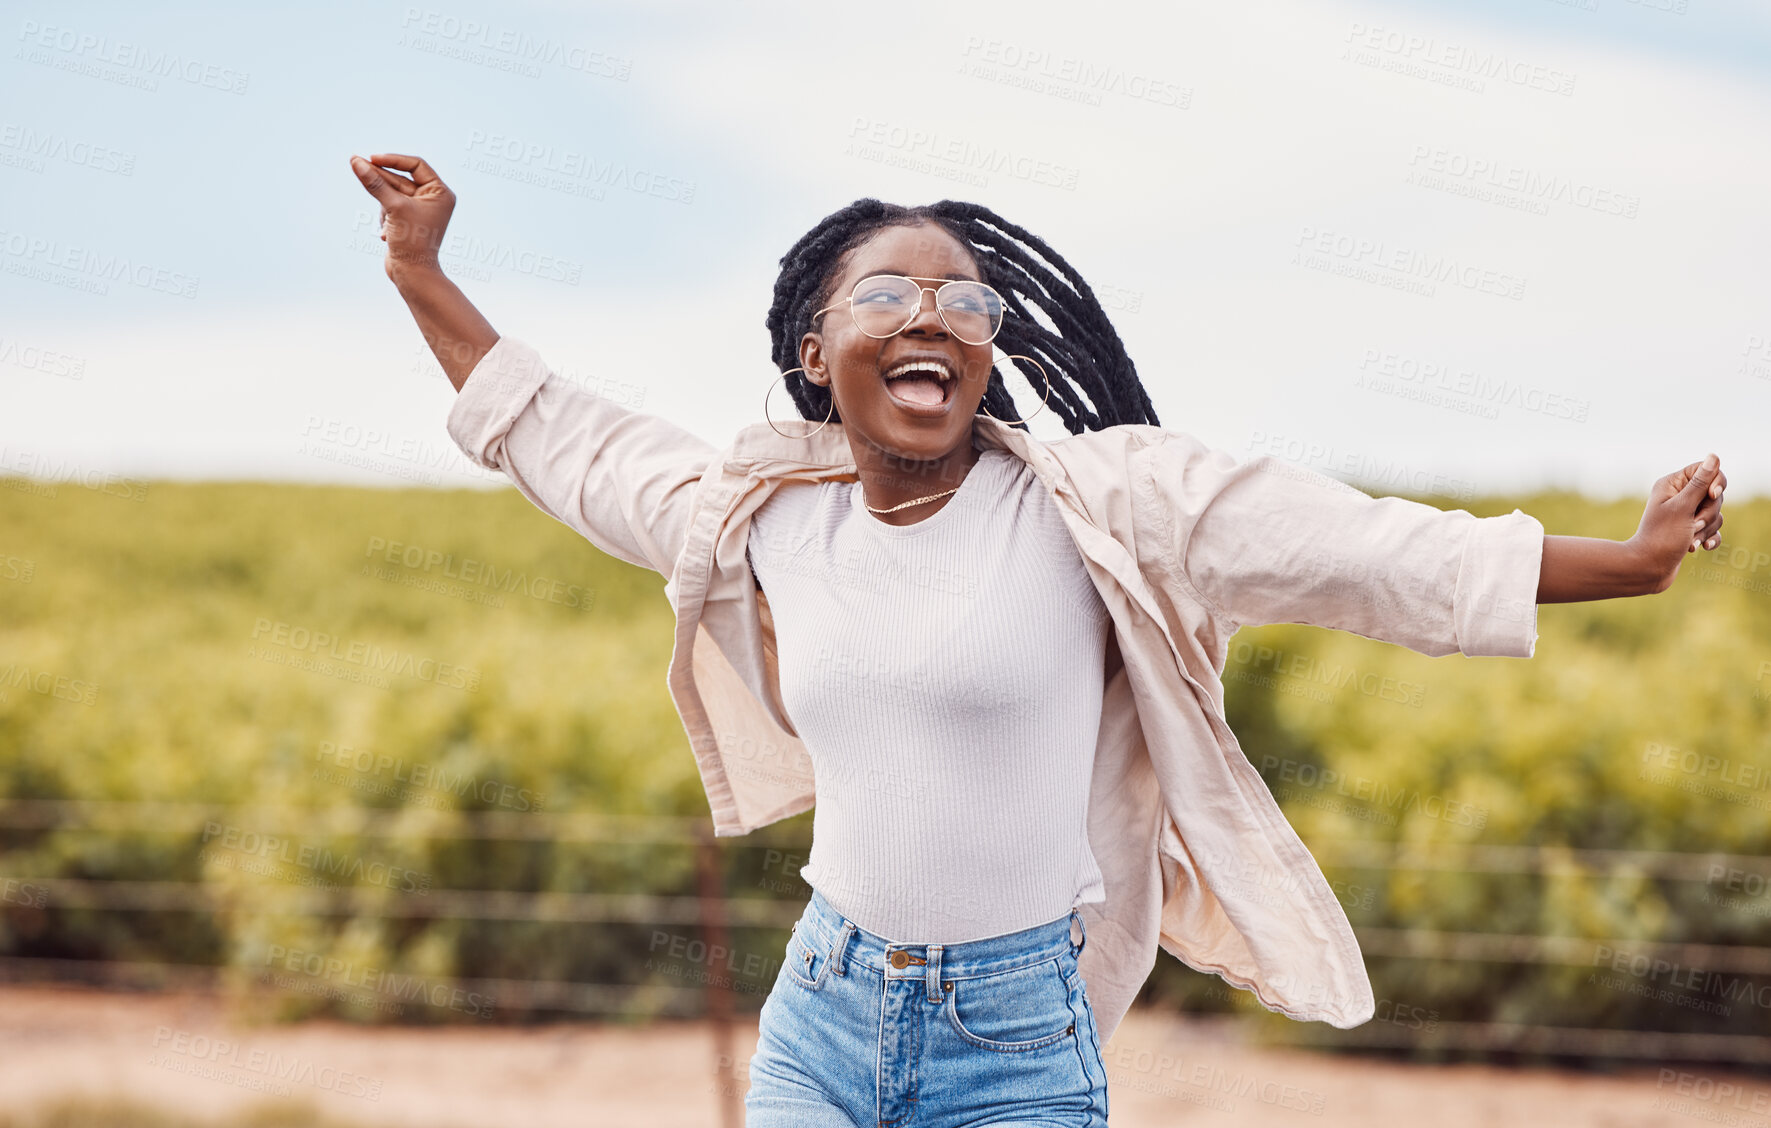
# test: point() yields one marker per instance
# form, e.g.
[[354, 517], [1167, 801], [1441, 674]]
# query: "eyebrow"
[[952, 276]]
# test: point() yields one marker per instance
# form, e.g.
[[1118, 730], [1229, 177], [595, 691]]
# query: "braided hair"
[[1084, 357]]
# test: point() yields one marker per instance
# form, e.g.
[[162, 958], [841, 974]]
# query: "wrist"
[[1648, 576], [406, 268]]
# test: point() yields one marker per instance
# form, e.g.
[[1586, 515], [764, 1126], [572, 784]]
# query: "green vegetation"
[[162, 649]]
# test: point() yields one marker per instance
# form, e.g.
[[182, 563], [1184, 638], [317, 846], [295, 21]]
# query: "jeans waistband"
[[846, 942]]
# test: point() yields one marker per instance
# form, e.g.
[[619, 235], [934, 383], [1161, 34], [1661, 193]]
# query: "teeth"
[[933, 367]]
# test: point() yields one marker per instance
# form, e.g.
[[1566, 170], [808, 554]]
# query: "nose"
[[928, 318]]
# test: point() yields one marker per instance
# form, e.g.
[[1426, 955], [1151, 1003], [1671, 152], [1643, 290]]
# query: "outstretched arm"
[[414, 215], [1267, 541], [1683, 514]]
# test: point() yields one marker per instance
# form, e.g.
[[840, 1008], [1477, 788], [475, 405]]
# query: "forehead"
[[925, 250]]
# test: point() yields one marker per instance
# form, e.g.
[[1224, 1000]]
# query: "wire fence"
[[717, 978], [425, 823]]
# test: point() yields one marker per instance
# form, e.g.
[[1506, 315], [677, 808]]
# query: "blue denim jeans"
[[860, 1031]]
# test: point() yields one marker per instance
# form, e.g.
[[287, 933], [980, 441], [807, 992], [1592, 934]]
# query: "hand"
[[414, 213], [1684, 513]]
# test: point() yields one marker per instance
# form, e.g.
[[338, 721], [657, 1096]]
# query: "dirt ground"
[[182, 1053]]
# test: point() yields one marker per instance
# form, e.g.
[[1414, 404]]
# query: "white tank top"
[[946, 679]]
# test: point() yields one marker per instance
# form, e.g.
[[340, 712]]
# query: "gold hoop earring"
[[783, 379], [1042, 403]]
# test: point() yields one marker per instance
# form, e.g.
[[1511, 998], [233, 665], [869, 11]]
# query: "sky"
[[1430, 247]]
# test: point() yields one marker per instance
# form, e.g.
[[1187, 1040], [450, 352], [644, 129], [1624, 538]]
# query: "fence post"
[[719, 992]]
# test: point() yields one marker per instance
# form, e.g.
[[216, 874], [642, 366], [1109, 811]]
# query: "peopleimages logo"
[[1427, 56], [316, 859], [1335, 674], [430, 777], [1405, 262], [85, 53], [99, 268], [39, 359], [200, 1055], [478, 573], [513, 48], [1488, 178], [956, 152], [1067, 76], [59, 686], [1721, 1096], [33, 148], [1490, 392], [1689, 761], [572, 164], [364, 655], [396, 985]]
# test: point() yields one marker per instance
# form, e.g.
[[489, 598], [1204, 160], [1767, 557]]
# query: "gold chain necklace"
[[908, 504]]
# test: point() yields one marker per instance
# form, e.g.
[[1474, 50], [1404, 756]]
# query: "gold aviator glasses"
[[884, 305]]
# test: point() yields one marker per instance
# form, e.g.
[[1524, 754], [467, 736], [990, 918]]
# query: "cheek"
[[977, 372], [844, 387], [856, 366]]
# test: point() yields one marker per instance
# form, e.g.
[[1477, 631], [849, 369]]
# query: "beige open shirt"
[[1185, 544]]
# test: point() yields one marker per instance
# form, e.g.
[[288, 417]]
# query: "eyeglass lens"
[[885, 304]]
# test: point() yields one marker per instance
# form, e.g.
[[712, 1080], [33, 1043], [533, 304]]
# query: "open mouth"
[[921, 381]]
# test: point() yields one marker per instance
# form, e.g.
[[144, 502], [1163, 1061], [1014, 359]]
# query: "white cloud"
[[1186, 218]]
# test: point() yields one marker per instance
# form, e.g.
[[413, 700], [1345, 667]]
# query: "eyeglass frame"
[[920, 291]]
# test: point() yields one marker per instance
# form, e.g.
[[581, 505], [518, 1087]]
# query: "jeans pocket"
[[1026, 1008], [804, 964]]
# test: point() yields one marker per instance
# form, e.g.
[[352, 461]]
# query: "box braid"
[[1083, 358]]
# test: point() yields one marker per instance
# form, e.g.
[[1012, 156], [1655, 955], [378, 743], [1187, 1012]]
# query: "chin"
[[923, 444]]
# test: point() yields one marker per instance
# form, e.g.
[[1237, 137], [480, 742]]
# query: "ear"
[[811, 357]]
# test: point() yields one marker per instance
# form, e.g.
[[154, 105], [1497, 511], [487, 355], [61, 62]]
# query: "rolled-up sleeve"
[[1269, 541], [621, 478]]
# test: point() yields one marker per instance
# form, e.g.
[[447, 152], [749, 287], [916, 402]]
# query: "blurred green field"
[[161, 648]]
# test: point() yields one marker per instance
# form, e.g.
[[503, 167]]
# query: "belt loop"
[[1078, 945], [839, 955], [932, 975]]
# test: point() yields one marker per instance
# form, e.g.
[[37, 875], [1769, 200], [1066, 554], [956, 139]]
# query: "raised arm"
[[621, 478], [414, 214]]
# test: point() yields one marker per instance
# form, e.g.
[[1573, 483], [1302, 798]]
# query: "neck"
[[889, 479]]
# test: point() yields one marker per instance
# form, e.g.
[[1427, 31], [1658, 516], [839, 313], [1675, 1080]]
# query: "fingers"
[[1708, 535], [1670, 485], [422, 173], [1699, 476], [384, 186], [1708, 517], [371, 179], [399, 183]]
